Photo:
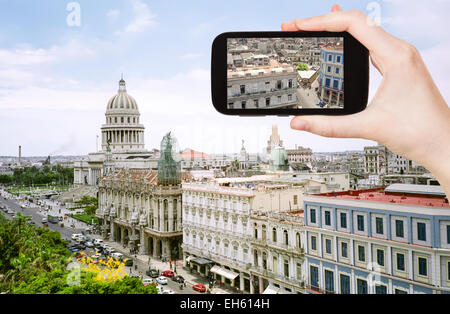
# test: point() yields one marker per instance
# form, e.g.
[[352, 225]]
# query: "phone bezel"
[[356, 74]]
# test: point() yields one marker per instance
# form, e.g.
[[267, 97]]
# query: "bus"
[[53, 219]]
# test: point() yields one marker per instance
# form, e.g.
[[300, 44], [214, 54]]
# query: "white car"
[[147, 281], [168, 291], [117, 255], [98, 241], [162, 280], [160, 289], [75, 236]]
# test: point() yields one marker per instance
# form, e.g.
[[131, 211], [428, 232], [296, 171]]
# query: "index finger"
[[364, 29]]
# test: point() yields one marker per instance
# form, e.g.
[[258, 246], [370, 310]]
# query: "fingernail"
[[300, 124], [290, 25]]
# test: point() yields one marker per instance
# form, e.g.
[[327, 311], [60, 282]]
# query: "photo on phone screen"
[[285, 73]]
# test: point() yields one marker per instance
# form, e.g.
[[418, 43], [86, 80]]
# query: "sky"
[[57, 75]]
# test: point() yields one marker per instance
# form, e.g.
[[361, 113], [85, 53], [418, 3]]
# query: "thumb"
[[355, 125]]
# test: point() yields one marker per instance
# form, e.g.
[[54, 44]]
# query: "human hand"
[[407, 114]]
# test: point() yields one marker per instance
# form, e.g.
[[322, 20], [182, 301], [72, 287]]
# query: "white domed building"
[[122, 142]]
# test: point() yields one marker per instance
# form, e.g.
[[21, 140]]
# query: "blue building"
[[391, 241], [331, 75]]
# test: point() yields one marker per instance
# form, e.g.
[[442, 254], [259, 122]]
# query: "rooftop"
[[405, 194]]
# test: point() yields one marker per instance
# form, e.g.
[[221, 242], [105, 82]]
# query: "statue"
[[108, 142]]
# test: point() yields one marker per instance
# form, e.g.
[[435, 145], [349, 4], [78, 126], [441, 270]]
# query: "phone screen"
[[285, 73]]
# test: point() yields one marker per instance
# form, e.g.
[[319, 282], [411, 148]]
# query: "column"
[[155, 246], [261, 285], [410, 266], [111, 235], [179, 214], [252, 288], [241, 282], [170, 215], [161, 215], [142, 242]]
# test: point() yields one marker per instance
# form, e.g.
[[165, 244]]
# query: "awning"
[[201, 261], [271, 290], [188, 259], [224, 272]]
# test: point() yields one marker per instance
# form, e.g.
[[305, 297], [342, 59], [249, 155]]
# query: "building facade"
[[217, 228], [331, 75], [377, 242]]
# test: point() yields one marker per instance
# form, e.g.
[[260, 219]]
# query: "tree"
[[302, 67]]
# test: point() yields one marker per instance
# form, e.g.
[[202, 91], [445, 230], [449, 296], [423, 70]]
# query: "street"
[[66, 232]]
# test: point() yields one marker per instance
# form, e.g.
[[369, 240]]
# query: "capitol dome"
[[122, 131], [122, 100]]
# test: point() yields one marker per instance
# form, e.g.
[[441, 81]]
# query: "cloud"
[[142, 20], [189, 56], [113, 13]]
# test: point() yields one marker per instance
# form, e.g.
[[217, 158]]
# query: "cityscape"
[[286, 220], [285, 73]]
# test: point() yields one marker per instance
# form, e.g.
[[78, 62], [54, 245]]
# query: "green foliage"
[[302, 67], [28, 176], [89, 203], [34, 261]]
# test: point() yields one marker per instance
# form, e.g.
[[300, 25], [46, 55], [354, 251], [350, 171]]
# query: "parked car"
[[152, 273], [178, 279], [75, 235], [160, 289], [168, 291], [147, 281], [162, 280], [44, 220], [129, 262], [168, 273], [89, 244], [199, 287], [98, 241], [117, 255]]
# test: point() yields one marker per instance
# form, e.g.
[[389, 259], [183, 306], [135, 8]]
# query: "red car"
[[168, 273], [199, 287]]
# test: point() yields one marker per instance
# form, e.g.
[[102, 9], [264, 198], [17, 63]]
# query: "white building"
[[122, 135]]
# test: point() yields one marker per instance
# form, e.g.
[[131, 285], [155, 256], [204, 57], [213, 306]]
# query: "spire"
[[122, 87]]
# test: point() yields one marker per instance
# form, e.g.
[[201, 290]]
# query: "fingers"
[[350, 126], [356, 23], [336, 8]]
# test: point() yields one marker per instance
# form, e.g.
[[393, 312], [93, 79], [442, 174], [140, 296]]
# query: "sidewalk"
[[143, 264]]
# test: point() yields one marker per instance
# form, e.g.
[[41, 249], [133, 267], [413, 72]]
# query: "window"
[[329, 69], [344, 246], [330, 57], [401, 261], [313, 243], [286, 237], [399, 228], [379, 225], [242, 89], [290, 84], [121, 120], [328, 246], [274, 235], [422, 266], [313, 216], [399, 291], [380, 257], [268, 102], [448, 234], [343, 220], [448, 271], [289, 97], [295, 199], [286, 268], [361, 286], [380, 289], [360, 221], [327, 82], [279, 99], [338, 59], [329, 281], [279, 85], [256, 103], [421, 231], [244, 104], [314, 275], [345, 284], [327, 218], [335, 84], [361, 253], [337, 70]]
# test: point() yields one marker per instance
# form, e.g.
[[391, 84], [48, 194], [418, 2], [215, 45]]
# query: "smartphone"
[[289, 73]]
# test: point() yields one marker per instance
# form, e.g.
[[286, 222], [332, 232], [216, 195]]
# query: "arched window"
[[256, 231], [298, 240], [274, 235], [286, 237]]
